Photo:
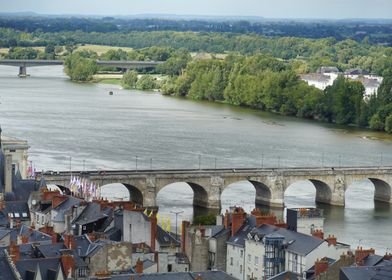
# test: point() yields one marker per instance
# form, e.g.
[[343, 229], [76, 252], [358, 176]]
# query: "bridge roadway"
[[24, 63], [208, 184]]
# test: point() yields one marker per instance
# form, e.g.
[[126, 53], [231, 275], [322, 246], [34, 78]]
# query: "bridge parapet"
[[270, 184]]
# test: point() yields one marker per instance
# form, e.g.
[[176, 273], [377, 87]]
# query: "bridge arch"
[[246, 193], [54, 187], [319, 189], [200, 194], [63, 189], [114, 191], [382, 189]]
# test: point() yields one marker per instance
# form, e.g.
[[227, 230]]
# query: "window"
[[242, 253], [42, 220], [169, 268], [17, 215], [249, 258], [231, 261], [241, 268], [256, 260]]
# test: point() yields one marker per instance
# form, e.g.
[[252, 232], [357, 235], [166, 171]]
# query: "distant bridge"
[[123, 64], [208, 184]]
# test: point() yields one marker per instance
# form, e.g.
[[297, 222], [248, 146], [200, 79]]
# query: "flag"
[[157, 216], [30, 169], [168, 224], [145, 212], [149, 215], [163, 223]]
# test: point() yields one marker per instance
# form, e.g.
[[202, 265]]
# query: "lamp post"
[[176, 213], [70, 165]]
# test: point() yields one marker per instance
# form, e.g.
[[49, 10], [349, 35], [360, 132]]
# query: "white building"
[[18, 149], [235, 263], [270, 250], [325, 77]]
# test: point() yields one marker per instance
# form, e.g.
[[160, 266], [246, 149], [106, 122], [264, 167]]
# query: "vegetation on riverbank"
[[255, 71]]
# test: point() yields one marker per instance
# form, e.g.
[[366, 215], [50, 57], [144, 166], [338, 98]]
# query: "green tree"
[[130, 79], [376, 123], [146, 82], [345, 99], [79, 68], [388, 124]]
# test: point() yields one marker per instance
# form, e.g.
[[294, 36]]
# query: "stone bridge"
[[208, 185], [24, 63]]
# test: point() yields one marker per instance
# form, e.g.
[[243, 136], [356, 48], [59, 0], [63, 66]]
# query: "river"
[[61, 119]]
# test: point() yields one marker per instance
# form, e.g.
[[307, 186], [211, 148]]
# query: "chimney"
[[153, 221], [68, 263], [139, 267], [361, 253], [238, 219], [69, 241], [48, 195], [14, 252], [320, 266], [226, 219], [388, 257], [68, 226], [184, 228], [54, 238], [25, 239], [269, 219], [331, 239], [318, 233], [8, 174], [58, 199]]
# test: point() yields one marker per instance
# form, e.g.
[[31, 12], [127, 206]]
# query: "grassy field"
[[110, 81]]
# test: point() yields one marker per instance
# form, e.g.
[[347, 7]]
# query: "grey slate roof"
[[113, 234], [285, 275], [4, 233], [298, 243], [18, 210], [5, 269], [90, 214], [372, 260], [51, 250], [166, 239], [206, 275], [239, 238], [65, 207], [34, 235], [47, 267]]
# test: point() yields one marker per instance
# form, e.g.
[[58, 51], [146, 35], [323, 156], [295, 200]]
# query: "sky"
[[329, 9]]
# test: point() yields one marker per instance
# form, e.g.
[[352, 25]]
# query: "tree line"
[[309, 54], [375, 31], [266, 83]]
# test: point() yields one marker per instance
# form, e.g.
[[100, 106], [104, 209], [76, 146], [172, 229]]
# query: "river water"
[[130, 129]]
